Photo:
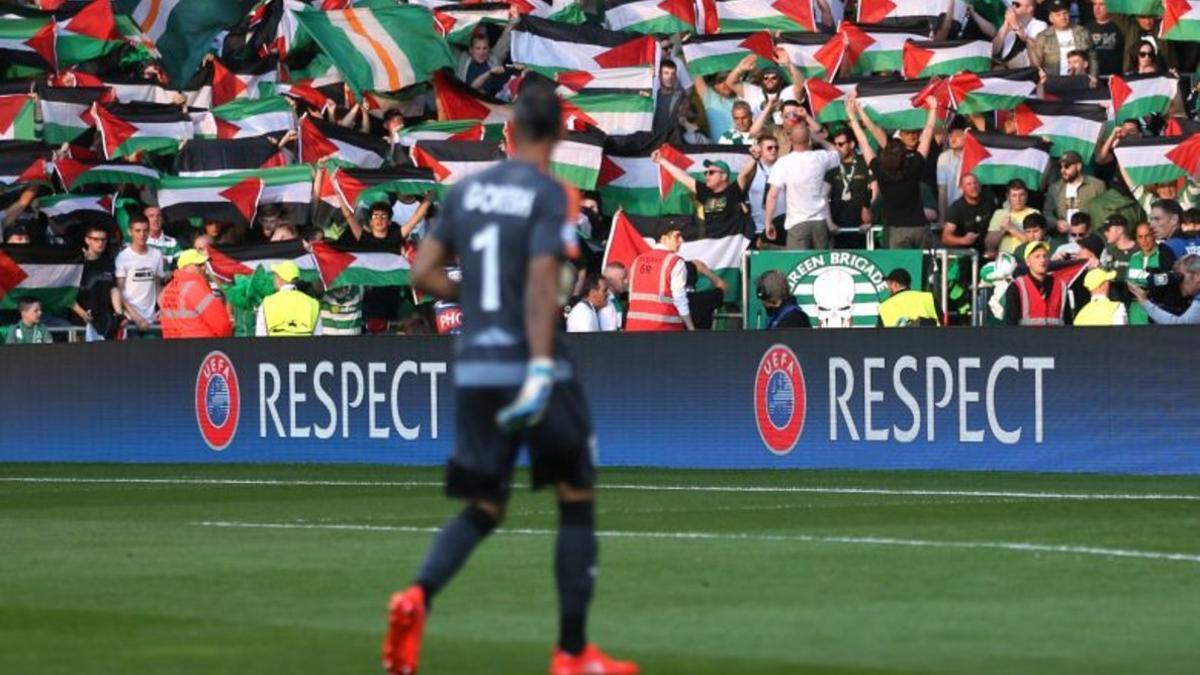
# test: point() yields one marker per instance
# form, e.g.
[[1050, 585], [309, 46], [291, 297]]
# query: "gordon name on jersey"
[[490, 198]]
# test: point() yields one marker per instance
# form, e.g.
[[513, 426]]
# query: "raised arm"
[[356, 228], [733, 81], [853, 113], [746, 175], [931, 106], [417, 216], [876, 132], [1104, 154], [676, 172]]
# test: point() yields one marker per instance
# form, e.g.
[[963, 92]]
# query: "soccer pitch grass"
[[287, 569]]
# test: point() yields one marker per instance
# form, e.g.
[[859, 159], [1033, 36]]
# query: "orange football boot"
[[591, 661], [406, 625]]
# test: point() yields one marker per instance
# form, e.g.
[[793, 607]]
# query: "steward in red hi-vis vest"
[[657, 294]]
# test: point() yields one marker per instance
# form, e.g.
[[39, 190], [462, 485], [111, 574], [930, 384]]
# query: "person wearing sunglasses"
[[1016, 34], [98, 304], [1147, 59]]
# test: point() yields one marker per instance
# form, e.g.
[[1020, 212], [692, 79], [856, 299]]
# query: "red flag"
[[330, 261], [672, 154], [11, 274], [625, 243]]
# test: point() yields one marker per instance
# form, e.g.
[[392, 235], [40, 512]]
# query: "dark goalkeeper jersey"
[[496, 222]]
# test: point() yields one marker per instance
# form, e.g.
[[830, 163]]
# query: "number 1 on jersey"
[[487, 241]]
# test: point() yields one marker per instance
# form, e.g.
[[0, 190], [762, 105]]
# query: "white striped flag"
[[454, 130], [362, 187], [1067, 126], [1087, 95], [17, 118], [1181, 20], [1148, 161], [559, 11], [551, 46], [996, 159], [457, 101], [614, 114], [873, 48], [632, 78], [66, 111], [28, 42], [1138, 96], [226, 262], [68, 212], [320, 139], [49, 274], [828, 101], [24, 162], [126, 128], [245, 118], [576, 158], [1186, 155], [720, 53], [88, 34], [721, 248], [929, 58], [457, 22], [814, 54], [734, 16], [878, 11], [630, 180], [216, 84], [359, 265], [1004, 90], [217, 156], [891, 105], [75, 174], [379, 47], [651, 17], [452, 161], [227, 199]]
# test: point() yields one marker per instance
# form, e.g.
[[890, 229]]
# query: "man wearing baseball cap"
[[1036, 298], [1050, 48], [1101, 310], [906, 307], [1072, 193], [723, 203], [288, 312], [188, 308]]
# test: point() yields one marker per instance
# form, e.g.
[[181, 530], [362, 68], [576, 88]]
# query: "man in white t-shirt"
[[140, 273], [585, 316], [801, 175], [1016, 34]]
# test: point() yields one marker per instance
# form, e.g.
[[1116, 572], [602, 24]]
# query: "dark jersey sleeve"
[[552, 223]]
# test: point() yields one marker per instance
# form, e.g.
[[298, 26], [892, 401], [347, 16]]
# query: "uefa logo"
[[218, 400], [780, 399]]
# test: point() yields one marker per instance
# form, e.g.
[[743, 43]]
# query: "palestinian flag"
[[141, 91], [216, 84], [126, 128], [226, 262], [50, 274], [320, 139], [363, 187], [891, 105], [733, 16], [181, 31], [651, 17], [630, 79], [874, 48], [721, 53], [1087, 96], [1186, 155], [17, 119], [458, 101], [1067, 126], [614, 114], [828, 101], [379, 46], [457, 130], [629, 180], [217, 157], [24, 162], [814, 54], [66, 111], [576, 158], [551, 47], [929, 58], [1135, 7], [75, 174], [28, 42], [457, 22], [359, 265], [248, 118], [1004, 90], [1158, 159], [721, 249], [995, 159], [879, 11], [452, 161], [89, 34], [558, 11], [70, 211], [1138, 96], [1181, 20], [228, 199]]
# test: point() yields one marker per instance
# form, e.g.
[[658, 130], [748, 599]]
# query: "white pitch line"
[[782, 489], [733, 536]]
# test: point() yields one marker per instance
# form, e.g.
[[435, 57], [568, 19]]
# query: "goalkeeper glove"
[[529, 406]]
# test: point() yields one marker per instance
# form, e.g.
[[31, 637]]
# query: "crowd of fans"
[[805, 185]]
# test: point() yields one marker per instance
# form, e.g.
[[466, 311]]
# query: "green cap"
[[718, 164]]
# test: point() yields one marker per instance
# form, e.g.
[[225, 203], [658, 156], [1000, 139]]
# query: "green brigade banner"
[[834, 288]]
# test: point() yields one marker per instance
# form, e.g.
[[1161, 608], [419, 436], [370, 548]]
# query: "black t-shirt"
[[1108, 47], [850, 191], [972, 217], [95, 293], [900, 192], [392, 238], [724, 211]]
